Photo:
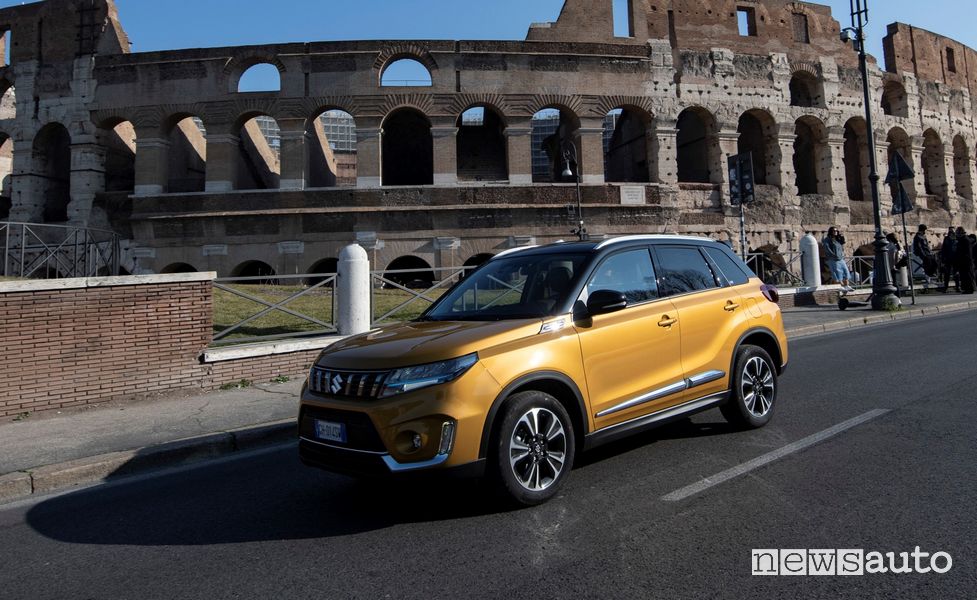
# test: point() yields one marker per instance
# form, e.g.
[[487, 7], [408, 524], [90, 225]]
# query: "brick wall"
[[73, 342]]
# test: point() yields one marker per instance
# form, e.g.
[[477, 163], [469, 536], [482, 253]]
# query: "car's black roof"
[[588, 247]]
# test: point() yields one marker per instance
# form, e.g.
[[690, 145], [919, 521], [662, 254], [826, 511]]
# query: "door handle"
[[731, 306], [667, 322]]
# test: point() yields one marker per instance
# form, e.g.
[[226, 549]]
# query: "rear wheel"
[[754, 395], [533, 448]]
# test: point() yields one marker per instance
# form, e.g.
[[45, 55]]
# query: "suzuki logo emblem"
[[337, 384]]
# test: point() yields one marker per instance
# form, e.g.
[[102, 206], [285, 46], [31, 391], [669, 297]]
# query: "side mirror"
[[603, 302]]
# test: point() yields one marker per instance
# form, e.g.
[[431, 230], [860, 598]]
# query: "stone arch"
[[117, 136], [934, 165], [856, 159], [322, 270], [406, 71], [186, 153], [237, 66], [8, 100], [627, 153], [331, 144], [6, 174], [407, 149], [178, 267], [482, 149], [478, 260], [962, 168], [260, 77], [812, 160], [895, 102], [415, 272], [757, 131], [806, 90], [258, 161], [405, 50], [697, 152], [555, 128], [255, 268], [52, 166]]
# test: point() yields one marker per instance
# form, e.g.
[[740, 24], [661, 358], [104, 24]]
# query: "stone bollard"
[[811, 260], [353, 291]]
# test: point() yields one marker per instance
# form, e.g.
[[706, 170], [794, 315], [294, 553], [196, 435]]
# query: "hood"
[[422, 342]]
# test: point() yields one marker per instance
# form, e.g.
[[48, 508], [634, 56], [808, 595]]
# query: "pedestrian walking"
[[834, 255], [948, 257], [964, 262], [897, 256]]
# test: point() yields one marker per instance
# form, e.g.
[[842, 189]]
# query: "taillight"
[[770, 293]]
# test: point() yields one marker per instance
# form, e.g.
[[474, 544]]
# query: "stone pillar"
[[836, 153], [294, 157], [728, 147], [920, 181], [885, 191], [590, 148], [27, 201], [666, 152], [950, 180], [368, 137], [152, 166], [519, 137], [445, 140], [223, 155], [353, 291], [87, 179], [446, 252]]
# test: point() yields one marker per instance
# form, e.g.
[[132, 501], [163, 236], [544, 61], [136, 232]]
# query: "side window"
[[736, 273], [683, 270], [630, 273]]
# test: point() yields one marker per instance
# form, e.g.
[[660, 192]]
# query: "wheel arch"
[[762, 338]]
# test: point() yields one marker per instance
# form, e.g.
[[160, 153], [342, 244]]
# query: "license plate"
[[333, 432]]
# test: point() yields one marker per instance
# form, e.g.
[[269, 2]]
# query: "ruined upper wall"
[[928, 56], [40, 31]]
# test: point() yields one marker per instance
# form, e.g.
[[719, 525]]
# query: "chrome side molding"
[[668, 390]]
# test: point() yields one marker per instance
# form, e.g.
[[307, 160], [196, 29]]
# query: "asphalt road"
[[266, 527]]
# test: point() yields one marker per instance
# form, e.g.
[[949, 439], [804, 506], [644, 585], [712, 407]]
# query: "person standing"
[[897, 256], [834, 255], [923, 252], [964, 262], [948, 257]]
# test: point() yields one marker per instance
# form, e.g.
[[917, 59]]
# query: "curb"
[[128, 463], [880, 318]]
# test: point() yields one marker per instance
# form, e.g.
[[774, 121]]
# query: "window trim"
[[598, 264], [658, 261]]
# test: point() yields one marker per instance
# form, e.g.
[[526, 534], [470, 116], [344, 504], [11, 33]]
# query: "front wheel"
[[754, 394], [534, 448]]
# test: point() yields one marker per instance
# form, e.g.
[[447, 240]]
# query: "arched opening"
[[6, 170], [962, 164], [262, 77], [331, 139], [698, 147], [806, 91], [856, 159], [259, 153], [52, 166], [255, 268], [554, 130], [178, 268], [187, 160], [934, 165], [478, 260], [482, 148], [899, 143], [811, 163], [410, 271], [322, 270], [118, 138], [8, 101], [405, 72], [894, 100], [408, 149], [626, 155], [758, 134]]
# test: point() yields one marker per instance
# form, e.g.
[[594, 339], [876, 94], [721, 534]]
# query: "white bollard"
[[353, 291], [811, 260]]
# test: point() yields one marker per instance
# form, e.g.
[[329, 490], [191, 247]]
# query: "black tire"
[[511, 471], [843, 303], [753, 398]]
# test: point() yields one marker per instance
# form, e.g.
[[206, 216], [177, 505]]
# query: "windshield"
[[518, 287]]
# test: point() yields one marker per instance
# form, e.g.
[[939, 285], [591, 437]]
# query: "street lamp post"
[[883, 290], [569, 158]]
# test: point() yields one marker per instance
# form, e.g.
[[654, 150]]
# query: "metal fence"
[[57, 251], [781, 269]]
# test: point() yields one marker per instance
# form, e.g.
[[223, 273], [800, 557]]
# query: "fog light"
[[447, 437], [417, 442]]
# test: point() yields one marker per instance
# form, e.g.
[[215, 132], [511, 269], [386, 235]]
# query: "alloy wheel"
[[537, 449]]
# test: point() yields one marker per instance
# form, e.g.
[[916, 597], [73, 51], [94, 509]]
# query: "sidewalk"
[[47, 452]]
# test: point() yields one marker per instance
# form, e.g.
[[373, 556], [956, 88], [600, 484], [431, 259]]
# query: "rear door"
[[710, 313], [632, 358]]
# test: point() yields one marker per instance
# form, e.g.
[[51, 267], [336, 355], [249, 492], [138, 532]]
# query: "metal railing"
[[404, 294], [58, 251], [777, 268]]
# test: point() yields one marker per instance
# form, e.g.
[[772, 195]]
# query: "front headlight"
[[409, 379]]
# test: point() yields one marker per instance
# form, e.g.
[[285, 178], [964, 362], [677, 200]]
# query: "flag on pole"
[[901, 202]]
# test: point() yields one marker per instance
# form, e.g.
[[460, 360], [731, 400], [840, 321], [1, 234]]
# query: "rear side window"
[[630, 273], [683, 270], [735, 272]]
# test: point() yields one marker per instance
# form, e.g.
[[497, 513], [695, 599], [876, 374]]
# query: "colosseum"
[[198, 173]]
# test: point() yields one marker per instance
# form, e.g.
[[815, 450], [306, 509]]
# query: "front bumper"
[[376, 464]]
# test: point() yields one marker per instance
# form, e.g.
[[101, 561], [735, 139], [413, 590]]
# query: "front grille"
[[347, 384]]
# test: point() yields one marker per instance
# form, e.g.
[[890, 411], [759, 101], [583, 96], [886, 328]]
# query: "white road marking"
[[770, 457]]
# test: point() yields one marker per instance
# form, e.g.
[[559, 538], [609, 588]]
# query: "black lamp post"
[[883, 290], [570, 158]]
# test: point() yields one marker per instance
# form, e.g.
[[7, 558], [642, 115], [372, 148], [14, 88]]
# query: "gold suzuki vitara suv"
[[544, 352]]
